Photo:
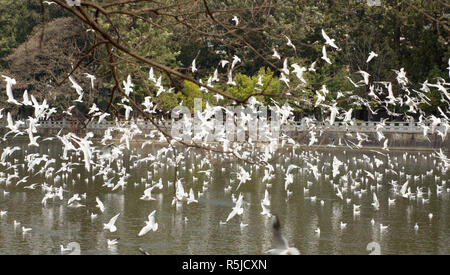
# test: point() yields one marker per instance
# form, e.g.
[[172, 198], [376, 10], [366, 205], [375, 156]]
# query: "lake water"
[[196, 228]]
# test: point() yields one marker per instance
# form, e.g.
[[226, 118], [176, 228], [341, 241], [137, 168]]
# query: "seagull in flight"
[[110, 225], [329, 41], [92, 78], [149, 225], [100, 205], [276, 54], [77, 88], [289, 43], [235, 19], [371, 56], [9, 83], [324, 55], [194, 68]]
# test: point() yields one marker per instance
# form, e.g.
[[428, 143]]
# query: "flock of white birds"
[[103, 157]]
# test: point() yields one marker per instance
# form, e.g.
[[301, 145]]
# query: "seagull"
[[275, 54], [365, 75], [289, 43], [110, 225], [9, 83], [26, 101], [312, 67], [127, 85], [235, 19], [371, 56], [375, 203], [266, 200], [280, 242], [194, 69], [191, 197], [237, 209], [329, 41], [77, 88], [299, 72], [149, 225], [324, 55], [100, 205], [112, 243], [448, 68], [265, 210], [284, 79], [151, 75], [92, 78], [26, 230]]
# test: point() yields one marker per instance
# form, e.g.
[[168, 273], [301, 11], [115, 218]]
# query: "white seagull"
[[329, 41], [371, 56], [149, 225], [110, 225]]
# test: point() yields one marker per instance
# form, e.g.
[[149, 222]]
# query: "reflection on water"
[[196, 228]]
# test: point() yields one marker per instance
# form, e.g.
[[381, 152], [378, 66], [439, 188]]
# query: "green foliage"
[[247, 85]]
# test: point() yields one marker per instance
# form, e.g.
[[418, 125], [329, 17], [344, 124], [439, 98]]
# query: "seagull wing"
[[100, 204], [113, 220]]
